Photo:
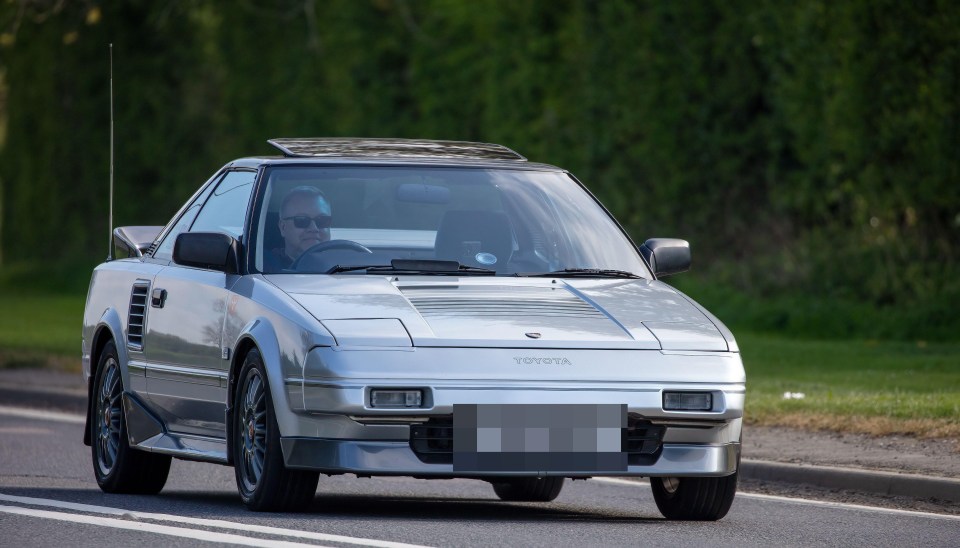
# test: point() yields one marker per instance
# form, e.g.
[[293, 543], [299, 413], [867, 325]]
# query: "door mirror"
[[210, 250], [133, 241], [666, 256]]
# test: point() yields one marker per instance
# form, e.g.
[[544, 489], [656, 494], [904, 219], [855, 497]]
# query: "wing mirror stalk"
[[666, 256], [209, 250]]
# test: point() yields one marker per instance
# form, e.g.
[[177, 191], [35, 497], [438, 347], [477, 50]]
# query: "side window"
[[165, 250], [226, 209]]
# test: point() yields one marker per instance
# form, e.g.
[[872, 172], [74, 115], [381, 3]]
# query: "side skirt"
[[148, 433]]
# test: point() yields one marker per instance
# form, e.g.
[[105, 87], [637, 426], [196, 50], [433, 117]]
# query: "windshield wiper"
[[351, 268], [417, 266], [580, 273]]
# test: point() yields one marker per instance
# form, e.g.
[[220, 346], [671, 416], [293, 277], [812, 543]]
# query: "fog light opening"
[[687, 401], [396, 399]]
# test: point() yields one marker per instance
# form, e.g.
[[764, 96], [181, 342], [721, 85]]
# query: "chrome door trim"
[[193, 375]]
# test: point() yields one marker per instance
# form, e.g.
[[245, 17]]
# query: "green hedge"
[[808, 150]]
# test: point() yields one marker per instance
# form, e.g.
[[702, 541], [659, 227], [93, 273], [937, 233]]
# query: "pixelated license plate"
[[536, 438]]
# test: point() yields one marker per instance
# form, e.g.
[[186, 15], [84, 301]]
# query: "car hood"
[[432, 311]]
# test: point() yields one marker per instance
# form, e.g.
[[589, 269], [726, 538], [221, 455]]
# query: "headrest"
[[271, 233]]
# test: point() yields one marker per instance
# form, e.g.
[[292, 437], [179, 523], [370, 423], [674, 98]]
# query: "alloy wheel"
[[108, 417], [252, 426]]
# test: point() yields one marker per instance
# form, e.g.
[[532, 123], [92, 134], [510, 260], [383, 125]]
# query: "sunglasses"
[[302, 221]]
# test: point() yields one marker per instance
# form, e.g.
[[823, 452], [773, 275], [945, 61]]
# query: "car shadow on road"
[[446, 508]]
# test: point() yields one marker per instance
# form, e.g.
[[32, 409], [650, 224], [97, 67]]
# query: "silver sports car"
[[432, 309]]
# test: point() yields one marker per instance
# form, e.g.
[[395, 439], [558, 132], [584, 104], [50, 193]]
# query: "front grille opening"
[[643, 440], [432, 441]]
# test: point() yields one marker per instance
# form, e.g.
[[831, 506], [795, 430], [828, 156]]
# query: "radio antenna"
[[110, 221]]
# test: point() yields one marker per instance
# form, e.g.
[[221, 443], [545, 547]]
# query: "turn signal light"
[[687, 401], [396, 399]]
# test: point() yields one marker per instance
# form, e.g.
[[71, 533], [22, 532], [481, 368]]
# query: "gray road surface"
[[43, 458]]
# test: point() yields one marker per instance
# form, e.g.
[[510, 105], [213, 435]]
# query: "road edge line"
[[222, 524], [41, 414], [798, 500], [182, 532]]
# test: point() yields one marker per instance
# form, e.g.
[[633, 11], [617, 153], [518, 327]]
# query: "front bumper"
[[331, 426], [339, 381], [389, 458]]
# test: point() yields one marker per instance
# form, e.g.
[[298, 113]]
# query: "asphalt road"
[[48, 497]]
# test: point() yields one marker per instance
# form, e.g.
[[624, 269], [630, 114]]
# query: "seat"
[[475, 238]]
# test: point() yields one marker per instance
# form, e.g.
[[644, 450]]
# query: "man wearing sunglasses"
[[305, 219]]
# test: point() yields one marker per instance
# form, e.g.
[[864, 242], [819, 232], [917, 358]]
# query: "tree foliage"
[[803, 148]]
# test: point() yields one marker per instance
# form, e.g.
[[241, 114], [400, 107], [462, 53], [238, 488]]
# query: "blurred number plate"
[[535, 438]]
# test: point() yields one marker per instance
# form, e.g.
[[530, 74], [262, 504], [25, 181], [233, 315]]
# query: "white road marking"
[[40, 414], [796, 500], [830, 504], [184, 532], [222, 524]]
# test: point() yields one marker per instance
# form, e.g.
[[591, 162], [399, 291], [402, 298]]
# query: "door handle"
[[158, 298]]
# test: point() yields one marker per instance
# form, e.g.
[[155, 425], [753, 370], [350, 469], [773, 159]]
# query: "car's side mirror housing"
[[133, 241], [210, 250], [666, 256]]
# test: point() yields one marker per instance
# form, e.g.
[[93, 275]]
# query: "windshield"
[[501, 222]]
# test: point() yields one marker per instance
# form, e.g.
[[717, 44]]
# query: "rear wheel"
[[528, 489], [118, 467], [265, 484], [701, 499]]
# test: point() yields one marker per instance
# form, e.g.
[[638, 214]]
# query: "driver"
[[305, 219]]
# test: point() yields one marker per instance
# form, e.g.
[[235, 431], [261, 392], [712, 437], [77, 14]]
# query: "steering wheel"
[[327, 246]]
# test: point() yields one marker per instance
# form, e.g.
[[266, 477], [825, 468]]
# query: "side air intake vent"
[[137, 315]]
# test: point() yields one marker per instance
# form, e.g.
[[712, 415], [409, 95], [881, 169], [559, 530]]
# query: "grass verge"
[[869, 387], [40, 330]]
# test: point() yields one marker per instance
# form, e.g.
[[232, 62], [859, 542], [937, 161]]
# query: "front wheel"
[[700, 499], [265, 484], [118, 467], [528, 489]]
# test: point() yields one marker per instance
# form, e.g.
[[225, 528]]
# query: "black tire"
[[118, 467], [264, 483], [528, 489], [699, 499]]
